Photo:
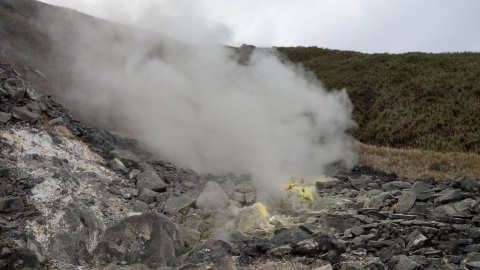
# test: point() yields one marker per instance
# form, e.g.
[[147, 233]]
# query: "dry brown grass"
[[415, 163]]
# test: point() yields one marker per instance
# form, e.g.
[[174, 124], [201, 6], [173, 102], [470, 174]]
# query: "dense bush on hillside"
[[419, 100]]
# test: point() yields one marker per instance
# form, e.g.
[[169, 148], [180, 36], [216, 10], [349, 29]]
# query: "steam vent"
[[78, 196]]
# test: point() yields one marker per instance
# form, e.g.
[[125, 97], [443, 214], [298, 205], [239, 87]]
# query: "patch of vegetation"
[[413, 100], [417, 164]]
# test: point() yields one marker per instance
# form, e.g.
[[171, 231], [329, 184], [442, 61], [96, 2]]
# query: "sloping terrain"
[[78, 197]]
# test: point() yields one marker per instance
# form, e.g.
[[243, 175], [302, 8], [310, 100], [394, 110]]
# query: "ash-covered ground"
[[79, 197]]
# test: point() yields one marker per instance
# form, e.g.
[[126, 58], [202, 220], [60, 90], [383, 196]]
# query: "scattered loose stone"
[[405, 202], [147, 196], [127, 157], [8, 205], [150, 180], [396, 185], [212, 197], [175, 205], [22, 113], [5, 117], [56, 121]]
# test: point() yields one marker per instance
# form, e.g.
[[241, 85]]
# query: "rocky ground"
[[78, 197]]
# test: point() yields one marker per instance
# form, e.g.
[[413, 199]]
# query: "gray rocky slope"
[[78, 197]]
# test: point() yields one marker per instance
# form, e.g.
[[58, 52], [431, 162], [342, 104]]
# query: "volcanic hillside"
[[75, 195]]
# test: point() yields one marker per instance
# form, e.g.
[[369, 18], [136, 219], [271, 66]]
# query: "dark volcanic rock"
[[420, 208], [190, 236], [15, 88], [379, 201], [416, 240], [470, 185], [5, 117], [335, 184], [422, 190], [23, 258], [404, 263], [187, 175], [150, 180], [212, 251], [405, 202], [449, 195], [100, 140], [22, 113], [360, 183], [8, 205], [396, 185], [396, 248], [212, 197], [319, 244], [251, 248], [56, 121], [150, 239], [128, 158], [175, 205], [443, 210], [289, 236], [4, 172], [147, 196]]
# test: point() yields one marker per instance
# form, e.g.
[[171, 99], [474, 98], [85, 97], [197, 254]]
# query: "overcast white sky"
[[369, 26]]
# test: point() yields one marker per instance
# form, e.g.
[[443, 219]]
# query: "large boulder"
[[150, 239], [212, 197]]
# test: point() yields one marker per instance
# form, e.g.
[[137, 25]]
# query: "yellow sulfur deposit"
[[322, 179], [290, 186], [305, 193], [261, 208]]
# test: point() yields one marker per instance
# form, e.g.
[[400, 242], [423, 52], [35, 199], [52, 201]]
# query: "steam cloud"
[[198, 107]]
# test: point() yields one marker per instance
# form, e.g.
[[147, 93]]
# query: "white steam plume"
[[197, 107]]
